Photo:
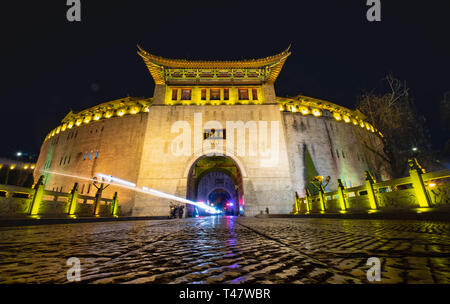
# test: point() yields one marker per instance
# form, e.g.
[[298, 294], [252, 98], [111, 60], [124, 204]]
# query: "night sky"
[[50, 65]]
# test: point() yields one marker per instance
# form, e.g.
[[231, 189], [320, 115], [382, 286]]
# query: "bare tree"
[[444, 111], [393, 113]]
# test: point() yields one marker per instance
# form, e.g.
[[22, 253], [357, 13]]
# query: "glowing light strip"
[[202, 205], [110, 178], [131, 186]]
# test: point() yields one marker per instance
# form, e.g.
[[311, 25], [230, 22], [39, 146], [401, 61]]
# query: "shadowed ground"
[[228, 250]]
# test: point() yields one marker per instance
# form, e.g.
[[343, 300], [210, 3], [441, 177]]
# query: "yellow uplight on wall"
[[97, 116], [121, 112], [337, 116], [32, 167], [64, 127], [346, 119], [87, 119], [78, 122], [134, 110], [58, 130], [12, 167], [304, 111], [25, 167], [361, 124], [108, 114], [70, 125], [316, 112]]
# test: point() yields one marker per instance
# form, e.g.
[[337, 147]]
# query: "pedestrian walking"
[[180, 211]]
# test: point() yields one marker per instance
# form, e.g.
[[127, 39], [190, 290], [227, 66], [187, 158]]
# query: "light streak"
[[110, 178], [131, 186]]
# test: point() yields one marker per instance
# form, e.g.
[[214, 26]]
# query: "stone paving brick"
[[237, 250]]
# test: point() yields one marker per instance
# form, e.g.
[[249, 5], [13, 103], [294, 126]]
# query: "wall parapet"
[[320, 108], [115, 108]]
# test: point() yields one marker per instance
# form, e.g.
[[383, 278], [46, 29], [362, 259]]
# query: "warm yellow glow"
[[293, 109], [367, 126], [25, 167], [53, 132], [87, 119], [304, 111], [281, 108], [70, 125], [346, 119], [12, 167], [337, 116], [372, 129], [134, 110], [120, 112], [355, 122], [431, 185], [97, 116], [78, 122], [64, 127], [361, 124], [58, 130], [146, 109], [316, 112], [108, 114], [32, 167]]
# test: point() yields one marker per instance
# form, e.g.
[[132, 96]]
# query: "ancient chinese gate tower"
[[214, 131]]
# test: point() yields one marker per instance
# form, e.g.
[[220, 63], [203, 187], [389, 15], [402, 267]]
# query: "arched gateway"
[[268, 146], [217, 181]]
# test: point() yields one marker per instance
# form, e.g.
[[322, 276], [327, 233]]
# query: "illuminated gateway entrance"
[[212, 132], [216, 181]]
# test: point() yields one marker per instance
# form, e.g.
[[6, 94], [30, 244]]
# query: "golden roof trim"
[[157, 64], [205, 64]]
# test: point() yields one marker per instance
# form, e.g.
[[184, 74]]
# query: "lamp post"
[[98, 195]]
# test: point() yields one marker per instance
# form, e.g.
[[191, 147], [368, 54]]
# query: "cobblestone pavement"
[[228, 250]]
